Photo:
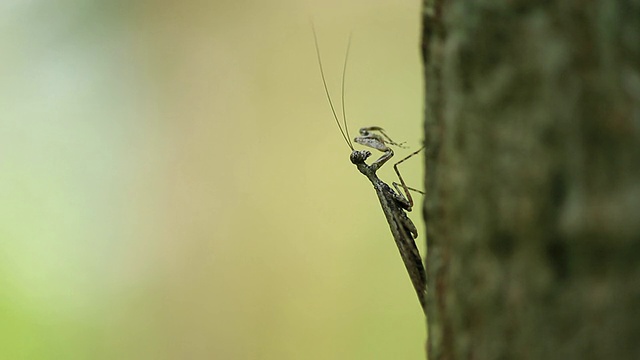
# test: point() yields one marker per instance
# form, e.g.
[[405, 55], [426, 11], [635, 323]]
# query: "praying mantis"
[[394, 204]]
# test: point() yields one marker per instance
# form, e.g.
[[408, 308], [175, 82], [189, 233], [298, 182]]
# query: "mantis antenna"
[[345, 131]]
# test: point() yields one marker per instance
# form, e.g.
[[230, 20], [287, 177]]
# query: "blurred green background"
[[173, 185]]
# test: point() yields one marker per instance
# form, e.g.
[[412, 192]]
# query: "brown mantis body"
[[394, 204]]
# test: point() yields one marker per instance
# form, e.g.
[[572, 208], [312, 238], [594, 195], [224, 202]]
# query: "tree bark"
[[532, 127]]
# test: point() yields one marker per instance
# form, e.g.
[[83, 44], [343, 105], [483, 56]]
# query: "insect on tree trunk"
[[532, 129]]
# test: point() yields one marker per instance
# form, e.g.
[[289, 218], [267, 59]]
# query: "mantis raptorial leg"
[[394, 204]]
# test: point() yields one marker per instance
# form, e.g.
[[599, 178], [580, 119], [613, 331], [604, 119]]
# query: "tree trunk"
[[533, 179]]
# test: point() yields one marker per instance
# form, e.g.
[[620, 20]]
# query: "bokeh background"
[[173, 185]]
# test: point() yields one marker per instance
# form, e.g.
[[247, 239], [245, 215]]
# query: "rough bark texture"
[[533, 179]]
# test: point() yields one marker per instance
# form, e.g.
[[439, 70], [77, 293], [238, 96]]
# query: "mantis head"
[[359, 156]]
